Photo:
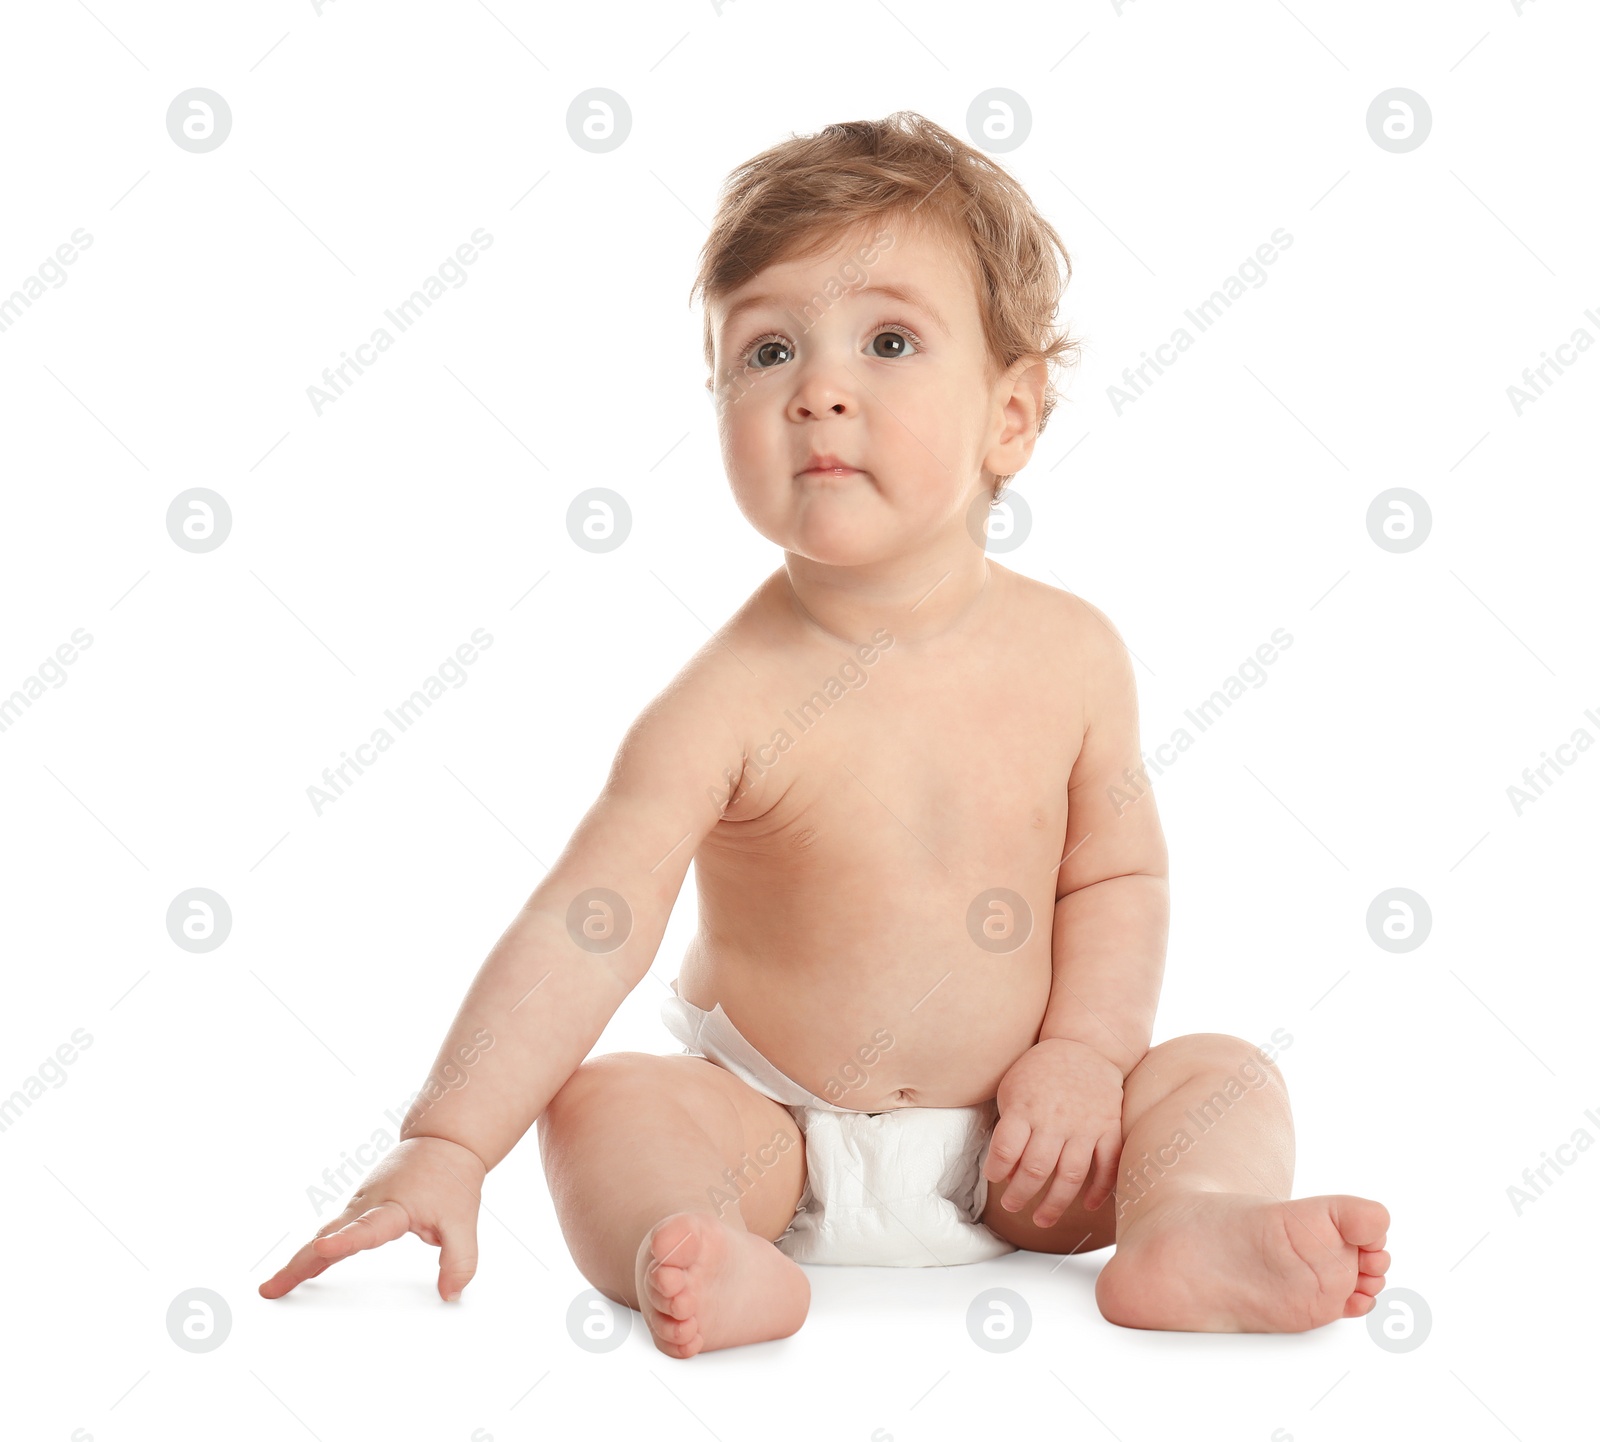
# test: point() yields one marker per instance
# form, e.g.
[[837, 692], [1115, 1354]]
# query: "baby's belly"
[[887, 1021]]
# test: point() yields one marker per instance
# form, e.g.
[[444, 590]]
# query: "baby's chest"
[[967, 775]]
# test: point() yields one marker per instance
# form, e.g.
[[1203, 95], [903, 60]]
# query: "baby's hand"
[[1060, 1102], [425, 1185]]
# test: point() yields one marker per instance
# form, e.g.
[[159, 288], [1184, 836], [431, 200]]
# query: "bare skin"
[[897, 769]]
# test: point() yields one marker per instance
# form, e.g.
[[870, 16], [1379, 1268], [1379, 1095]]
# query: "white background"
[[367, 543]]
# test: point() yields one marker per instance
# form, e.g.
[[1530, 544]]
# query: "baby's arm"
[[1109, 945], [1061, 1101], [558, 974], [552, 981]]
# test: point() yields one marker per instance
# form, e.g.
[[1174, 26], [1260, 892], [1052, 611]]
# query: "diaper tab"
[[712, 1034]]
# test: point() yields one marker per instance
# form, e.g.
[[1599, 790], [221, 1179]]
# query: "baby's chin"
[[841, 539], [850, 522]]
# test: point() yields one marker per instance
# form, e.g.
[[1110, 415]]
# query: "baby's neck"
[[915, 599]]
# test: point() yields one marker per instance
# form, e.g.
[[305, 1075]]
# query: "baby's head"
[[886, 295]]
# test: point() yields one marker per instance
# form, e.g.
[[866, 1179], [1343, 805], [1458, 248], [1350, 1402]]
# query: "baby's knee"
[[604, 1080], [638, 1084], [1212, 1052]]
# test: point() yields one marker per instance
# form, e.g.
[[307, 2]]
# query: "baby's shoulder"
[[1082, 631], [733, 671]]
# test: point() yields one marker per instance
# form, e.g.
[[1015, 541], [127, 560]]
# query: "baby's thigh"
[[679, 1131], [762, 1154]]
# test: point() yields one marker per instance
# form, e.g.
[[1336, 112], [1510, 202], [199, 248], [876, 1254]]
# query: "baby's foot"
[[1236, 1262], [704, 1285]]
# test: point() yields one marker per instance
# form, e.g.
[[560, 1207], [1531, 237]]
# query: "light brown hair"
[[799, 197]]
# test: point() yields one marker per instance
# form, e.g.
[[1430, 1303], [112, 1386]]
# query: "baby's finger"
[[308, 1262], [1042, 1153], [304, 1265], [1006, 1145], [383, 1223], [1107, 1153], [458, 1259], [1070, 1172]]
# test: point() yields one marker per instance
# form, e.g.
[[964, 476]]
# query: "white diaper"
[[901, 1188]]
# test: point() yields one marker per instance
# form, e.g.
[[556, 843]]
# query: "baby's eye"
[[897, 337], [764, 347]]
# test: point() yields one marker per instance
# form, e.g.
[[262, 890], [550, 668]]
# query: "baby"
[[916, 1014]]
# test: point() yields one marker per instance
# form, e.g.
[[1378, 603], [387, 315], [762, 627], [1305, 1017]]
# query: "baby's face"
[[899, 387]]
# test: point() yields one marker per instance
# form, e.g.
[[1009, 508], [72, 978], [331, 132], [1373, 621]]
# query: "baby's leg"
[[1207, 1237], [672, 1179]]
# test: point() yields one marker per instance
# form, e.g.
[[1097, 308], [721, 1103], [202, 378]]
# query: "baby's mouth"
[[829, 465], [828, 473]]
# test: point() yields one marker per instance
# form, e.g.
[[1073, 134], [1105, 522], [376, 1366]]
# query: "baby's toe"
[[666, 1281], [677, 1331], [1362, 1222], [677, 1305]]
